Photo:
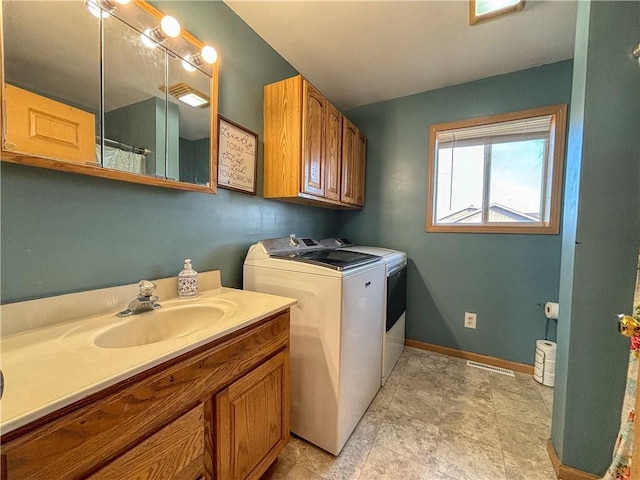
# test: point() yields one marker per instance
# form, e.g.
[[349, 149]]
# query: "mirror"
[[121, 115]]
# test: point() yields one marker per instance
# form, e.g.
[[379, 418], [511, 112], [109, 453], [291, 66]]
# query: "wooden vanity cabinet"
[[253, 420], [219, 412], [304, 155]]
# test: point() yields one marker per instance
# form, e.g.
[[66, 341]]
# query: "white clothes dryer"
[[395, 299], [336, 331]]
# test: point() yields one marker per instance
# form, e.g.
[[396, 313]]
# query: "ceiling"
[[361, 52]]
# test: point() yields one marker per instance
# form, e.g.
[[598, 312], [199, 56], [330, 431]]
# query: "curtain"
[[120, 160], [620, 468]]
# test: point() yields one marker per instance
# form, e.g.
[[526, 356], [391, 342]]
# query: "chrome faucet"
[[144, 302]]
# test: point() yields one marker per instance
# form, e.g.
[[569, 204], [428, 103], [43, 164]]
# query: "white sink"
[[162, 324]]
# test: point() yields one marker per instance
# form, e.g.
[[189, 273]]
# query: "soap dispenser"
[[187, 281]]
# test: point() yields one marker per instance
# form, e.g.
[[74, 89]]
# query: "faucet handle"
[[146, 288]]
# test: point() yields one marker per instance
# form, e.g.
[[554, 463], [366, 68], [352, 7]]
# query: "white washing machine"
[[336, 331], [395, 299]]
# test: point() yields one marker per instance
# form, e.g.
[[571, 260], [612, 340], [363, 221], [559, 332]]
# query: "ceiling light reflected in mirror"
[[188, 94]]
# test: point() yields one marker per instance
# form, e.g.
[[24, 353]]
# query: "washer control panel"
[[291, 244], [336, 242]]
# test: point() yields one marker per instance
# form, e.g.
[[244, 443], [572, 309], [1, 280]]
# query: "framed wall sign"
[[237, 157]]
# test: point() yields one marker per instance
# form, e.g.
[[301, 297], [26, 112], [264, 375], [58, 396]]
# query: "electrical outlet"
[[469, 320]]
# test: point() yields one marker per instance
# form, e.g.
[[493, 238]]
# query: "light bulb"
[[146, 40], [187, 66], [170, 26], [209, 54], [96, 11]]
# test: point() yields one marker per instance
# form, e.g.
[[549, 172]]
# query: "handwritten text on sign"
[[236, 157]]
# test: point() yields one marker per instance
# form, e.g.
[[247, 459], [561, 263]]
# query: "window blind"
[[525, 129]]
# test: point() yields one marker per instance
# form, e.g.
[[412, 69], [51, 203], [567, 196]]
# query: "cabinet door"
[[253, 421], [176, 452], [360, 169], [333, 152], [349, 162], [313, 118]]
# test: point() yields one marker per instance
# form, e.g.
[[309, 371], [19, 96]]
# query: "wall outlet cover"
[[469, 320]]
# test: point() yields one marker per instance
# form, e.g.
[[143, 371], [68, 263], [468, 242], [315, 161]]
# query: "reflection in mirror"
[[82, 93], [135, 110], [189, 95], [52, 71]]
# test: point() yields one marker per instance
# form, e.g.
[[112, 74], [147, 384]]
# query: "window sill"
[[511, 229]]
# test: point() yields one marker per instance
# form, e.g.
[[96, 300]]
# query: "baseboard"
[[564, 472], [476, 357]]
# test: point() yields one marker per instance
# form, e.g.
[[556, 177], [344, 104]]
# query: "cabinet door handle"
[[367, 284]]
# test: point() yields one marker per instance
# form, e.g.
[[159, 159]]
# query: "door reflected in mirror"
[[53, 109]]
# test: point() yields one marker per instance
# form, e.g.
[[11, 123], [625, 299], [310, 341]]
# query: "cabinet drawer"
[[176, 451]]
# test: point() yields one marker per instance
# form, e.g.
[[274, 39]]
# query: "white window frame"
[[551, 198]]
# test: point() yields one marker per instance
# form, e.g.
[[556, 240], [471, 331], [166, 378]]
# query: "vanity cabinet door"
[[176, 452], [253, 420]]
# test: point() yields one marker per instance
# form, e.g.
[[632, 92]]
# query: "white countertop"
[[52, 366]]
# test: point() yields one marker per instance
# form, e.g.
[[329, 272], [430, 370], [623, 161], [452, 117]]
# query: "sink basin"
[[160, 325]]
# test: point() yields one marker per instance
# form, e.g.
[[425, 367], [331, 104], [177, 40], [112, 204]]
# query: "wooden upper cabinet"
[[313, 122], [349, 162], [332, 153], [361, 164], [304, 147]]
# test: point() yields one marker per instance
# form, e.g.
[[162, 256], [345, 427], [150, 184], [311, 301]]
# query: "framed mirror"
[[114, 96]]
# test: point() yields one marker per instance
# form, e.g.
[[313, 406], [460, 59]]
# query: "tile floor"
[[437, 419]]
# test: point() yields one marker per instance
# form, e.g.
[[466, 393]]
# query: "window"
[[480, 10], [498, 174]]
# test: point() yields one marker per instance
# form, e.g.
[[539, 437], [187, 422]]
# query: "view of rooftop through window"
[[515, 182]]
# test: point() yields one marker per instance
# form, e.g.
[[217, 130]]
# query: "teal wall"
[[143, 124], [500, 277], [194, 160], [601, 234], [63, 232], [140, 124]]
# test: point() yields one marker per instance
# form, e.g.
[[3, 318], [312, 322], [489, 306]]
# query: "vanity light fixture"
[[186, 65], [103, 8], [636, 52], [100, 8], [207, 54], [187, 94], [169, 27]]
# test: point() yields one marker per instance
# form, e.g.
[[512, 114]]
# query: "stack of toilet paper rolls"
[[545, 366]]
